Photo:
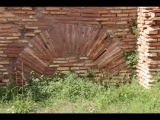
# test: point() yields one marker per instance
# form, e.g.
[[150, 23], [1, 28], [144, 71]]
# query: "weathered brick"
[[12, 19], [115, 19], [146, 14], [130, 36], [2, 38], [89, 64], [5, 42], [5, 73], [9, 31], [88, 11], [5, 80], [151, 54], [133, 16], [26, 8], [27, 27], [115, 11], [83, 58], [63, 68], [94, 23], [110, 23], [102, 19], [78, 64], [55, 65], [90, 15], [125, 18], [71, 58], [29, 20], [12, 38], [69, 22], [81, 71], [66, 65], [4, 62], [85, 19], [157, 14], [129, 11], [103, 12], [154, 18], [8, 16], [73, 14], [20, 12], [2, 55], [151, 32], [52, 8], [60, 13], [150, 22], [65, 18], [121, 8], [15, 8], [96, 70], [73, 61], [122, 22], [44, 12], [83, 68], [60, 61], [65, 71], [73, 11], [122, 15], [29, 35], [37, 31], [87, 61], [31, 12], [3, 20], [108, 15], [74, 68], [121, 33]]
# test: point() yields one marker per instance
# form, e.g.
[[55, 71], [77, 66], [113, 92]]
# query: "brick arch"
[[58, 40], [69, 47]]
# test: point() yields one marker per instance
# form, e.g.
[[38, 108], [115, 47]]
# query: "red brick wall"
[[38, 36], [148, 45]]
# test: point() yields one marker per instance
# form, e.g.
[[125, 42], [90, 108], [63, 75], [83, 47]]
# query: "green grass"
[[75, 94]]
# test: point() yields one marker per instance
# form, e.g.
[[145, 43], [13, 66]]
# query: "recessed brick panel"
[[45, 37]]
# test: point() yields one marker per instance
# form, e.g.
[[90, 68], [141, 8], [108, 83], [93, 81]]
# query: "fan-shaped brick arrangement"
[[46, 39], [70, 48], [61, 41]]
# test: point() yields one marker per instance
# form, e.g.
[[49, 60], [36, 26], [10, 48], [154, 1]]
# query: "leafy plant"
[[90, 73], [134, 30], [131, 58], [21, 106]]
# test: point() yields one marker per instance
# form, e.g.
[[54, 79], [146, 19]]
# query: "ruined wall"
[[148, 44], [45, 39]]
